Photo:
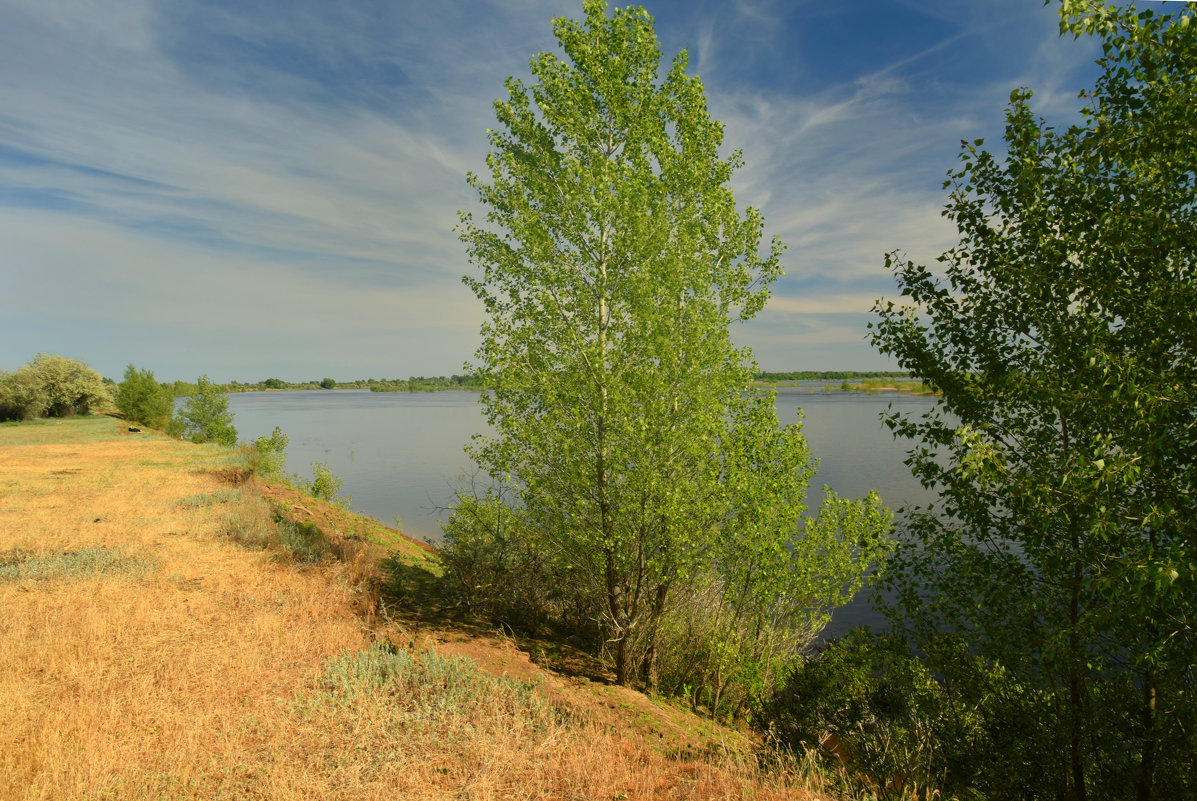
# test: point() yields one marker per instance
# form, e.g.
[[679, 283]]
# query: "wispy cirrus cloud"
[[234, 188]]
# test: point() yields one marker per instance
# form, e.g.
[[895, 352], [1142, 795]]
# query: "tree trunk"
[[1147, 765]]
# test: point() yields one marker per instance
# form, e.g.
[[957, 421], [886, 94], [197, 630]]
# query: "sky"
[[269, 189]]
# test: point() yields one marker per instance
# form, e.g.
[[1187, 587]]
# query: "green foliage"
[[900, 732], [1060, 331], [328, 383], [205, 416], [325, 485], [614, 261], [267, 457], [22, 395], [496, 565], [51, 386], [304, 542], [141, 399]]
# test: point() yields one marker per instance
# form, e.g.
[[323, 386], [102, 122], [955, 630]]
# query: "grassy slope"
[[145, 654]]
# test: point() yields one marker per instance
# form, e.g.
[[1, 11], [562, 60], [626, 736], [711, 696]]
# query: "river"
[[401, 454]]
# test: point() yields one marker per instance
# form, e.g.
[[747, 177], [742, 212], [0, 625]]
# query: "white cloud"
[[166, 184]]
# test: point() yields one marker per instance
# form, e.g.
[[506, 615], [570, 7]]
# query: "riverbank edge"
[[668, 728]]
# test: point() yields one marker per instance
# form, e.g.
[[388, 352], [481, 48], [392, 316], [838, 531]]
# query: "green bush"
[[325, 485], [141, 399], [305, 542], [205, 416], [267, 457], [945, 721], [22, 396], [51, 386], [496, 567], [421, 688], [882, 710]]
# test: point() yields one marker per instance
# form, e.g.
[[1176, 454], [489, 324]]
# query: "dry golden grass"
[[188, 666]]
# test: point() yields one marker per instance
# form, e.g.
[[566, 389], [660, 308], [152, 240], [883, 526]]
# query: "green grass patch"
[[28, 566], [426, 688], [204, 499], [61, 430], [304, 542]]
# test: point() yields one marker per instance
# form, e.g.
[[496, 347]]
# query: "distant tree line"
[[830, 375], [426, 384]]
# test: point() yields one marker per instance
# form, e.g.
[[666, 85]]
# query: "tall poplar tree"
[[614, 262]]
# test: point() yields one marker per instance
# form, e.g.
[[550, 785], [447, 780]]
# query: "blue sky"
[[269, 188]]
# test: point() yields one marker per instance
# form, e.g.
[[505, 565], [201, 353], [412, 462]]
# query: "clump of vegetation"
[[304, 542], [141, 399], [28, 566], [217, 498], [205, 416], [267, 457], [325, 485], [426, 688], [51, 386], [252, 523], [495, 566]]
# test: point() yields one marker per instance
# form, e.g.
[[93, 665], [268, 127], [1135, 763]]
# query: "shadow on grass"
[[416, 592]]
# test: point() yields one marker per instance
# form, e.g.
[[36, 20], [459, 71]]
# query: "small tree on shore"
[[205, 416], [141, 399], [614, 262]]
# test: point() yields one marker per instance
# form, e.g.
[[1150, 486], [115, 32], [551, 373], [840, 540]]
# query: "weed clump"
[[21, 565], [217, 498], [427, 689]]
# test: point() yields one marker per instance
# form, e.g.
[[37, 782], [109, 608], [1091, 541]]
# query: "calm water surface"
[[401, 454]]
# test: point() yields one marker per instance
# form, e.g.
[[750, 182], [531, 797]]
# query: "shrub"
[[966, 728], [22, 396], [141, 399], [51, 386], [267, 457], [205, 416], [325, 485], [495, 566]]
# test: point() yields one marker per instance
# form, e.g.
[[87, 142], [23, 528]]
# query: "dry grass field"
[[163, 636]]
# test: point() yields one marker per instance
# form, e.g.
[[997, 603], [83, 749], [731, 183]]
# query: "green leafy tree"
[[328, 383], [141, 399], [205, 416], [52, 386], [614, 262], [1062, 333], [22, 395]]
